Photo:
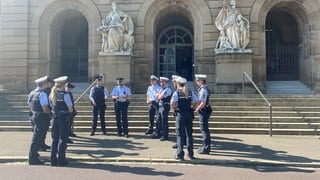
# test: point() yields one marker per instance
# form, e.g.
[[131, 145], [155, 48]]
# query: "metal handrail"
[[84, 92], [245, 74]]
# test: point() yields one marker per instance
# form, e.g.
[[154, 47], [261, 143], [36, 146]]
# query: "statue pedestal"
[[112, 66], [230, 64]]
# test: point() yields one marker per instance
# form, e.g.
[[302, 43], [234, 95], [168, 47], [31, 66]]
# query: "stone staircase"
[[287, 87], [239, 114]]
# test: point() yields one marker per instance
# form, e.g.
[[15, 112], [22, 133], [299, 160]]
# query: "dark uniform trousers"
[[99, 108], [204, 127], [153, 110], [162, 121], [59, 135], [184, 132], [39, 121], [121, 111]]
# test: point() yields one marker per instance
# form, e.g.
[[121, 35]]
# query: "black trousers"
[[121, 111], [39, 122], [101, 110], [152, 110], [59, 138]]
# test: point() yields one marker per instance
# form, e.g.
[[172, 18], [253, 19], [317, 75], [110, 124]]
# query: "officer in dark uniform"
[[204, 110], [164, 97], [121, 95], [152, 101], [98, 96], [181, 102], [40, 110], [69, 88], [61, 107], [44, 146]]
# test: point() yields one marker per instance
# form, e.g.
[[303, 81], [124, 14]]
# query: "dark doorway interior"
[[74, 47], [184, 62], [282, 54]]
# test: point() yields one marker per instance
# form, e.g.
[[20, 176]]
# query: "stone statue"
[[235, 27], [116, 28]]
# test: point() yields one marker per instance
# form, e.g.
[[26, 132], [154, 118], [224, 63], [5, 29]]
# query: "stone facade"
[[30, 40]]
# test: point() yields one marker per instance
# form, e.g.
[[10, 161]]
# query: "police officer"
[[164, 97], [152, 101], [44, 146], [40, 110], [181, 102], [204, 110], [98, 96], [71, 116], [61, 107], [121, 95]]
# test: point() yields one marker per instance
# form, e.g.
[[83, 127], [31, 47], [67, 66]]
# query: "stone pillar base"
[[114, 66], [230, 66]]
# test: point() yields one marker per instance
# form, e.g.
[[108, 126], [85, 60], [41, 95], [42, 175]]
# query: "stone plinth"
[[112, 66], [230, 64]]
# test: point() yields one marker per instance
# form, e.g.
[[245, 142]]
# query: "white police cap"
[[41, 80], [200, 76], [153, 77], [164, 79], [174, 77], [61, 79], [181, 80]]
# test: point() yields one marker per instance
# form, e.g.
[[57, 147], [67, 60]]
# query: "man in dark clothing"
[[98, 95]]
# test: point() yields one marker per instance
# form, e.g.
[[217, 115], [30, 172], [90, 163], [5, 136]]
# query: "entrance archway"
[[282, 51], [175, 47], [69, 46], [74, 46]]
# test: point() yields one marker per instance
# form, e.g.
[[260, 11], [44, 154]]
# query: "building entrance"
[[175, 52], [74, 47], [282, 53]]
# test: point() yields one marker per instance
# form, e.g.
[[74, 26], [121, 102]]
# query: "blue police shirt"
[[203, 94], [152, 91], [121, 91], [175, 97]]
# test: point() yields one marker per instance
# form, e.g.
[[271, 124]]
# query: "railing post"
[[270, 120], [243, 83]]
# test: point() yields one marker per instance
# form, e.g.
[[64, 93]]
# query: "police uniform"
[[164, 97], [61, 108], [71, 115], [152, 100], [43, 146], [120, 95], [98, 95], [39, 108], [204, 113], [184, 118]]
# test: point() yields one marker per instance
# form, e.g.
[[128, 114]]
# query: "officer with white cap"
[[204, 110], [61, 106], [121, 95], [152, 101], [40, 111], [181, 102], [164, 97]]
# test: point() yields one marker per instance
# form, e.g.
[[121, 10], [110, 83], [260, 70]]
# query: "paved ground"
[[229, 149]]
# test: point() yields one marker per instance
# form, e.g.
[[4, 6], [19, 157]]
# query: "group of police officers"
[[58, 105]]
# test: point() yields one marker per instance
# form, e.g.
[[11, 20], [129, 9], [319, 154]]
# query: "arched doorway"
[[175, 47], [69, 46], [282, 53], [74, 47]]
